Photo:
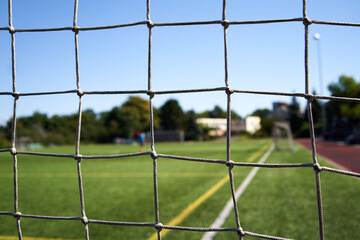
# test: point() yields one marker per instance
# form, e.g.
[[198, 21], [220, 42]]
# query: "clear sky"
[[264, 57]]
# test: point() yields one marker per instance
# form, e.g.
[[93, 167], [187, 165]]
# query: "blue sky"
[[264, 57]]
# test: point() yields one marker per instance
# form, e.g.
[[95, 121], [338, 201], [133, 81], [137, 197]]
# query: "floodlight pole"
[[322, 104]]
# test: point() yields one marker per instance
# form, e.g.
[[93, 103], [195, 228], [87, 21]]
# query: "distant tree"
[[263, 112], [316, 114], [295, 116], [134, 116], [62, 129], [343, 116], [316, 111], [346, 87], [4, 140], [217, 112], [234, 115], [42, 129], [111, 121], [192, 130], [172, 116], [124, 121], [205, 114], [92, 128], [34, 126], [265, 121]]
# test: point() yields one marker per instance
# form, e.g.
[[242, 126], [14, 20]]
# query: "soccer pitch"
[[278, 202]]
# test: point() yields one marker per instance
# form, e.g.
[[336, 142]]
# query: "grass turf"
[[280, 202]]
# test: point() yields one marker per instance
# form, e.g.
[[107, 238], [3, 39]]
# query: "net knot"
[[310, 97], [229, 91], [241, 231], [151, 93], [159, 226], [13, 151], [80, 92], [78, 157], [154, 155], [150, 24], [85, 220], [16, 95], [225, 24], [317, 167], [76, 29], [17, 215], [230, 164], [307, 21], [12, 30]]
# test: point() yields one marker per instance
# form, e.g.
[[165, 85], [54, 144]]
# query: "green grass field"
[[278, 202]]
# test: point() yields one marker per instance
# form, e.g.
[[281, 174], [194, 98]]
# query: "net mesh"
[[151, 93]]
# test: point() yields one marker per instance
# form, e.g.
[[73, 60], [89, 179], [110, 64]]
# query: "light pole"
[[322, 104]]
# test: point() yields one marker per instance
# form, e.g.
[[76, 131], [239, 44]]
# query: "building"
[[253, 124], [237, 126], [218, 125]]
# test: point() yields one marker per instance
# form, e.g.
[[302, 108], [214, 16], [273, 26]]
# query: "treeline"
[[120, 122], [341, 120]]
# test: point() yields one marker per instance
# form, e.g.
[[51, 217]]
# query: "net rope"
[[151, 93]]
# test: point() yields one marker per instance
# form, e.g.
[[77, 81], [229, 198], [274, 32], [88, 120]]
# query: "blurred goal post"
[[282, 136]]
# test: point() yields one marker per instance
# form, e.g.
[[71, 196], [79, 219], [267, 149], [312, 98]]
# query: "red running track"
[[343, 156]]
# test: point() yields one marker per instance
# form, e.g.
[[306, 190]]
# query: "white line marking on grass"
[[219, 221], [194, 205]]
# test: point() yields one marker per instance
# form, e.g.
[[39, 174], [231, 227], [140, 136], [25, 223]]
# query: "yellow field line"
[[257, 154], [179, 218], [33, 238], [189, 209]]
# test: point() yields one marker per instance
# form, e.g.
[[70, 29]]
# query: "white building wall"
[[252, 124], [217, 124]]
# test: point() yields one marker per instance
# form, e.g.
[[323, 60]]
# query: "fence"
[[151, 93]]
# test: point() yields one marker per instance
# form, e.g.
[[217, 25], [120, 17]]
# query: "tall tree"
[[295, 116], [134, 116], [172, 116], [192, 129], [92, 129], [111, 121], [346, 87], [217, 112], [234, 115], [4, 141], [263, 112], [344, 113], [124, 121]]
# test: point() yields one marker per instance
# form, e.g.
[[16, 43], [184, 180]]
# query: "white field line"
[[229, 205]]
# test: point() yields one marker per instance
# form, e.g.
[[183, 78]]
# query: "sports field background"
[[278, 202]]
